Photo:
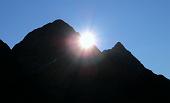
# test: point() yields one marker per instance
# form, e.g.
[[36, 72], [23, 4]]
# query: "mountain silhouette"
[[49, 66]]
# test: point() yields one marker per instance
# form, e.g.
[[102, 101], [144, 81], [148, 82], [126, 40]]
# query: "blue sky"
[[143, 26]]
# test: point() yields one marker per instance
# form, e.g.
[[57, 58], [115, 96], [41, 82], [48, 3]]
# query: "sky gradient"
[[143, 26]]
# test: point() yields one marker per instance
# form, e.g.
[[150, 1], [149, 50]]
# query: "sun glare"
[[87, 40]]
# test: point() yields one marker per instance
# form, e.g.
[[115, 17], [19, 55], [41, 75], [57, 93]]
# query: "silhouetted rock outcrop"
[[51, 67]]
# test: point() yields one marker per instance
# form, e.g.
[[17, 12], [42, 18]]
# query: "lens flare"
[[87, 40]]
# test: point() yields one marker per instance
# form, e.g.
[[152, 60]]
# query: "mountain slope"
[[131, 80], [51, 67]]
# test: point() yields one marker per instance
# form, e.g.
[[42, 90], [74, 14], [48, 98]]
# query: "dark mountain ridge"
[[51, 67]]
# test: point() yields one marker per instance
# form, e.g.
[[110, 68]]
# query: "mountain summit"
[[119, 46], [54, 41], [51, 67]]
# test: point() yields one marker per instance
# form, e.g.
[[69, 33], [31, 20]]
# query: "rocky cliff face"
[[51, 67]]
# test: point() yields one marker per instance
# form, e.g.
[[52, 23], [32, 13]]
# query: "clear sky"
[[143, 26]]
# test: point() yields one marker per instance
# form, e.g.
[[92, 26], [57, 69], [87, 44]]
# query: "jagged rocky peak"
[[51, 34], [58, 28], [57, 34], [60, 22], [120, 54], [119, 47]]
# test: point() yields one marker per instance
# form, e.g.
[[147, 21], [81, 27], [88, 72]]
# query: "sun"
[[87, 40]]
